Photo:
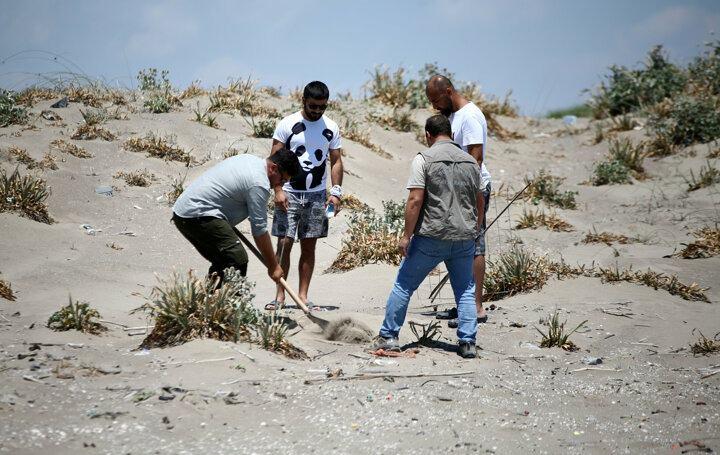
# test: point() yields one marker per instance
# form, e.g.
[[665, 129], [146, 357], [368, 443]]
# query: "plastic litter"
[[63, 102], [570, 120], [588, 360], [89, 230], [104, 190]]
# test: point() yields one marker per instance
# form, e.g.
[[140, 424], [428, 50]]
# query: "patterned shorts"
[[480, 241], [305, 216]]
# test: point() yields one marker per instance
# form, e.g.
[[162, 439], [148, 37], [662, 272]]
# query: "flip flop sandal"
[[273, 305]]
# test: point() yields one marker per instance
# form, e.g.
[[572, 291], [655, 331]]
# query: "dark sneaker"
[[449, 314], [453, 323], [387, 344], [467, 350]]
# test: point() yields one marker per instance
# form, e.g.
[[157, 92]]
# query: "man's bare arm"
[[336, 174], [280, 198], [412, 213], [264, 244], [476, 150]]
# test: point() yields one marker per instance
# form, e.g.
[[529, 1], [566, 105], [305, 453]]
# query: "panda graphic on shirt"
[[311, 143]]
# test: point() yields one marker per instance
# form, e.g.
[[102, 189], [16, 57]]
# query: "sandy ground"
[[75, 393]]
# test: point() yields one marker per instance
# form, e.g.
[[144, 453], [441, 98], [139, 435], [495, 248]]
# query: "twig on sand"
[[646, 344], [103, 321], [251, 358], [713, 373], [593, 369], [612, 313], [323, 354], [201, 361], [388, 375]]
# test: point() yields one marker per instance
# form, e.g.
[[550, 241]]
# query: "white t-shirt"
[[469, 127], [311, 143]]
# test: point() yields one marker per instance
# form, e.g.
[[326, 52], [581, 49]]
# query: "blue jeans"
[[424, 254]]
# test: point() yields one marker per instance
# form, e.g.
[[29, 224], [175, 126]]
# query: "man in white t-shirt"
[[469, 130], [300, 204]]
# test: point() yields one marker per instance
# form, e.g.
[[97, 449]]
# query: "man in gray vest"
[[441, 222]]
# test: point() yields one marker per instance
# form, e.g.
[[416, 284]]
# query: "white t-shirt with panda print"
[[311, 143]]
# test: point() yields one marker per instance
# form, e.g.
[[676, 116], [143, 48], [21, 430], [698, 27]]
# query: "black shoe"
[[453, 323], [449, 314], [467, 350]]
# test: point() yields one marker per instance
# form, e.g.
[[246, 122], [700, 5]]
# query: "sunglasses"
[[317, 107]]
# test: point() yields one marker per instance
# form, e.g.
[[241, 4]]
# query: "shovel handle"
[[282, 281]]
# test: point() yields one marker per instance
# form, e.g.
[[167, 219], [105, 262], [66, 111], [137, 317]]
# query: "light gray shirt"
[[235, 189]]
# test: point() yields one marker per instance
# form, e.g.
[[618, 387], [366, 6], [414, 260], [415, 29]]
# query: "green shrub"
[[546, 187], [704, 71], [626, 90], [76, 316], [188, 307], [610, 172], [630, 155], [10, 112], [158, 91], [685, 120]]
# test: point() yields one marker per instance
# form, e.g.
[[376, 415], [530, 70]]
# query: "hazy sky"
[[545, 51]]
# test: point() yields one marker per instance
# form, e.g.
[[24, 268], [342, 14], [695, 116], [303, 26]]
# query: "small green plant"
[[70, 148], [264, 127], [556, 335], [513, 272], [177, 186], [10, 112], [76, 316], [425, 334], [630, 155], [158, 90], [705, 345], [272, 332], [546, 187], [205, 117], [610, 173], [136, 178], [187, 307], [158, 147], [25, 195], [707, 176], [538, 218]]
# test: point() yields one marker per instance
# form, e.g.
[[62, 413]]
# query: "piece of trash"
[[63, 102], [111, 415], [128, 233], [50, 115], [143, 395], [137, 207], [89, 230], [166, 397], [369, 398], [143, 352], [517, 324], [530, 346], [570, 120], [541, 135], [104, 190], [587, 360]]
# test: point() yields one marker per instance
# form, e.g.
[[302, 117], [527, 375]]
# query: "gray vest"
[[452, 182]]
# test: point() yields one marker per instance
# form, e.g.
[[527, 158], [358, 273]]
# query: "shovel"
[[317, 320]]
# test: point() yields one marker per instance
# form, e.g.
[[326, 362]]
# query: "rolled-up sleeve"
[[257, 209]]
